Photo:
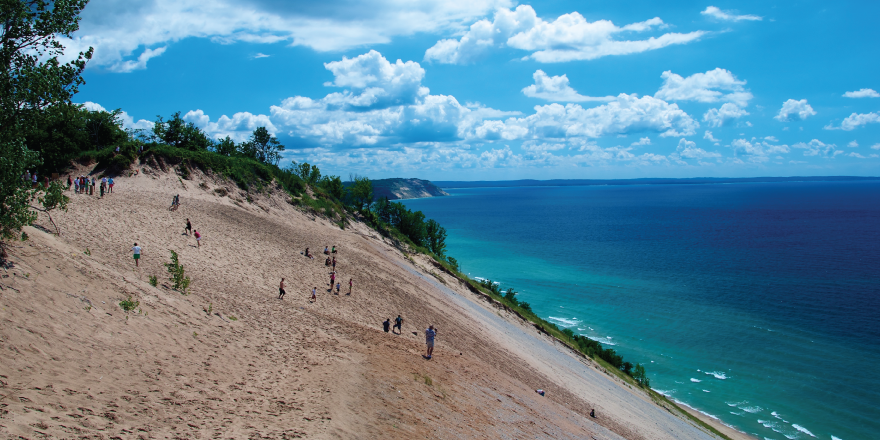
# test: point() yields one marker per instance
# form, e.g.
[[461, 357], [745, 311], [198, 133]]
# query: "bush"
[[154, 281], [178, 278], [129, 304]]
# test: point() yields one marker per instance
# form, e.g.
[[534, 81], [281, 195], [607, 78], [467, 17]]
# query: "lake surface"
[[756, 303]]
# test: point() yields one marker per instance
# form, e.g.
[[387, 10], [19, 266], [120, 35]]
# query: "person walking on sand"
[[110, 186], [94, 184], [137, 254], [314, 294], [332, 279], [103, 185], [338, 288], [198, 239], [430, 334], [334, 263], [349, 285], [188, 228], [76, 185], [281, 291], [386, 324], [69, 182], [398, 324]]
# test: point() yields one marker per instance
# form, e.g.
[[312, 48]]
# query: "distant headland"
[[645, 181], [399, 188]]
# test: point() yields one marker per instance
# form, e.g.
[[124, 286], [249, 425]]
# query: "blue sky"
[[492, 89]]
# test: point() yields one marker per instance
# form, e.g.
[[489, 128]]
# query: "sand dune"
[[75, 365]]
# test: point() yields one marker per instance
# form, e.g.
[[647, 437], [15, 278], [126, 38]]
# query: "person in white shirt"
[[137, 254]]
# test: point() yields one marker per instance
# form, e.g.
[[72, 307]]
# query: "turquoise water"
[[754, 303]]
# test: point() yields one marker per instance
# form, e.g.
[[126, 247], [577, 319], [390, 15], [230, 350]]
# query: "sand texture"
[[231, 360]]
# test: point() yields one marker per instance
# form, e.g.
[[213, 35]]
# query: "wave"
[[565, 322], [775, 414], [486, 279], [706, 391], [717, 374], [802, 429], [751, 409], [695, 380], [835, 438], [738, 413], [735, 403]]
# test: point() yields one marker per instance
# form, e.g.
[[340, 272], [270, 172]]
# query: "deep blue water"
[[754, 303]]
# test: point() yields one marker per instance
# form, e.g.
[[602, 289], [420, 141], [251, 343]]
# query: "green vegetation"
[[129, 304], [154, 281], [32, 81], [178, 278]]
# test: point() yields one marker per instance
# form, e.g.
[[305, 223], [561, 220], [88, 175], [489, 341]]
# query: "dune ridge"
[[230, 360]]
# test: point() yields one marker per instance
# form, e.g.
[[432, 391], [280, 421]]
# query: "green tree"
[[226, 147], [181, 134], [333, 185], [266, 147], [361, 193], [32, 80], [641, 376], [510, 296], [436, 237]]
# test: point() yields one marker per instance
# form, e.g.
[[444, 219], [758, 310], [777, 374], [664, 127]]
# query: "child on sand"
[[338, 288], [326, 250], [281, 291], [314, 293], [198, 239], [430, 333], [334, 250], [188, 228], [137, 254]]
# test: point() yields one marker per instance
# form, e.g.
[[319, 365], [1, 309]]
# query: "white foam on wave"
[[716, 374], [835, 438], [565, 321], [752, 409], [738, 413], [776, 414], [802, 429], [737, 403], [695, 380], [767, 423], [790, 436], [605, 341], [706, 391]]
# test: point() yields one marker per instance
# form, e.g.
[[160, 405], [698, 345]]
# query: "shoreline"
[[714, 422]]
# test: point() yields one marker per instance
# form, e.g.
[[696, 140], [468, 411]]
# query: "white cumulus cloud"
[[715, 12], [856, 120], [689, 150], [718, 85], [862, 93], [790, 108], [127, 121], [720, 117], [567, 38], [557, 88], [818, 148], [642, 141], [126, 34], [853, 144]]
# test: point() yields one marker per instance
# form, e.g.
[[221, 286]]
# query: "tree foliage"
[[32, 80], [263, 147], [181, 134], [361, 193]]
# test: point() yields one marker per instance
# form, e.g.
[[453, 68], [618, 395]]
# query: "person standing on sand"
[[110, 186], [281, 291], [137, 254], [338, 288], [188, 228], [69, 182], [430, 333], [332, 279], [198, 239], [334, 263], [349, 286], [76, 186], [94, 184], [398, 324], [314, 294], [386, 324]]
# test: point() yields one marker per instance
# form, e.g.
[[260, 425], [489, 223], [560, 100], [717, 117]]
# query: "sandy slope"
[[285, 368]]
